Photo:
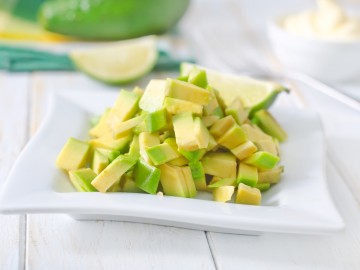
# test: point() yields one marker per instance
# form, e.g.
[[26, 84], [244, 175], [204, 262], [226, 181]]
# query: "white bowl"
[[326, 60]]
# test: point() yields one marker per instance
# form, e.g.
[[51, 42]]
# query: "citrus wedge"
[[255, 94], [119, 63]]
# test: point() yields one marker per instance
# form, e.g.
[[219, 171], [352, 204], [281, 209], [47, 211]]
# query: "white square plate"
[[300, 203]]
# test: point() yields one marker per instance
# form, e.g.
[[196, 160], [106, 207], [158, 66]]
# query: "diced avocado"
[[223, 194], [215, 183], [99, 162], [187, 91], [146, 177], [233, 137], [237, 110], [268, 146], [177, 181], [134, 149], [254, 134], [113, 172], [176, 106], [110, 154], [154, 96], [128, 185], [198, 78], [147, 140], [213, 107], [198, 174], [221, 126], [268, 124], [126, 106], [179, 161], [137, 90], [115, 187], [184, 132], [263, 186], [209, 120], [193, 155], [244, 150], [248, 195], [262, 160], [73, 155], [108, 142], [201, 133], [183, 78], [212, 143], [219, 164], [247, 175], [81, 179], [271, 176], [166, 134], [161, 153], [125, 128], [156, 120], [95, 120], [101, 127]]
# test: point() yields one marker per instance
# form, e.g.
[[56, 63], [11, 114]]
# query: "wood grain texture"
[[13, 136], [63, 243]]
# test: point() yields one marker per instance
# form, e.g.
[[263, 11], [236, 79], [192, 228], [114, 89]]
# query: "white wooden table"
[[59, 242]]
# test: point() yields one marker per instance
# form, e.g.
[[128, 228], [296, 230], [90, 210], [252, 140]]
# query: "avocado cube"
[[213, 107], [193, 155], [99, 162], [128, 185], [183, 78], [254, 133], [212, 143], [237, 111], [161, 153], [209, 120], [262, 160], [125, 128], [102, 126], [134, 149], [223, 194], [198, 77], [233, 137], [244, 150], [247, 175], [220, 164], [81, 179], [156, 120], [271, 176], [147, 140], [184, 132], [154, 96], [268, 124], [113, 172], [201, 133], [268, 145], [248, 195], [176, 106], [73, 155], [137, 90], [110, 154], [147, 177], [198, 174], [221, 126], [187, 91], [179, 161], [263, 186], [108, 142], [216, 182]]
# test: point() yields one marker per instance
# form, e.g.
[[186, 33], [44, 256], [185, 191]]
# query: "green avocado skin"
[[111, 19]]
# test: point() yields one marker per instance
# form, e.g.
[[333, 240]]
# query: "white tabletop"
[[59, 242]]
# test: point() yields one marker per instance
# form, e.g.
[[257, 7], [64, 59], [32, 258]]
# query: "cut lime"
[[255, 94], [120, 63]]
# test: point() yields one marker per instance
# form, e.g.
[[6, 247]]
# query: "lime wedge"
[[255, 94], [119, 63]]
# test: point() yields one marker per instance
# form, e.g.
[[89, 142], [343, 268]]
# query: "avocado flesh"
[[184, 132], [146, 177], [237, 111], [215, 183], [247, 175], [233, 137], [213, 107], [73, 155], [209, 120], [263, 186], [267, 146], [81, 179], [193, 155], [110, 154], [220, 164], [198, 77], [244, 150], [262, 160], [154, 96], [179, 161], [254, 133], [248, 195], [223, 194], [156, 121], [187, 91], [101, 127], [108, 142], [269, 125], [271, 176], [162, 153], [134, 149], [201, 133], [125, 128], [176, 106], [221, 126], [147, 140], [198, 174], [99, 162]]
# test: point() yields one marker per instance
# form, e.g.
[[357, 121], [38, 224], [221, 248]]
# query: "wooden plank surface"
[[64, 243], [13, 136]]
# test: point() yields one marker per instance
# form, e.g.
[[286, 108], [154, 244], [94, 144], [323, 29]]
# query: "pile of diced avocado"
[[177, 137]]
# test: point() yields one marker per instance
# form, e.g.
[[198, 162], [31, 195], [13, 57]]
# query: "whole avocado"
[[111, 19]]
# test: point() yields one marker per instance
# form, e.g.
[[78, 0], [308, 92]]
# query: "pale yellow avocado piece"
[[221, 126], [223, 194], [73, 155], [176, 106], [187, 91], [254, 134], [99, 162], [137, 90], [184, 132], [237, 110], [125, 128], [268, 146], [233, 137], [126, 106], [154, 96], [271, 176], [212, 143], [220, 164], [113, 172], [213, 107], [201, 133], [244, 150], [179, 161], [248, 195], [209, 120], [108, 142], [102, 127], [147, 140]]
